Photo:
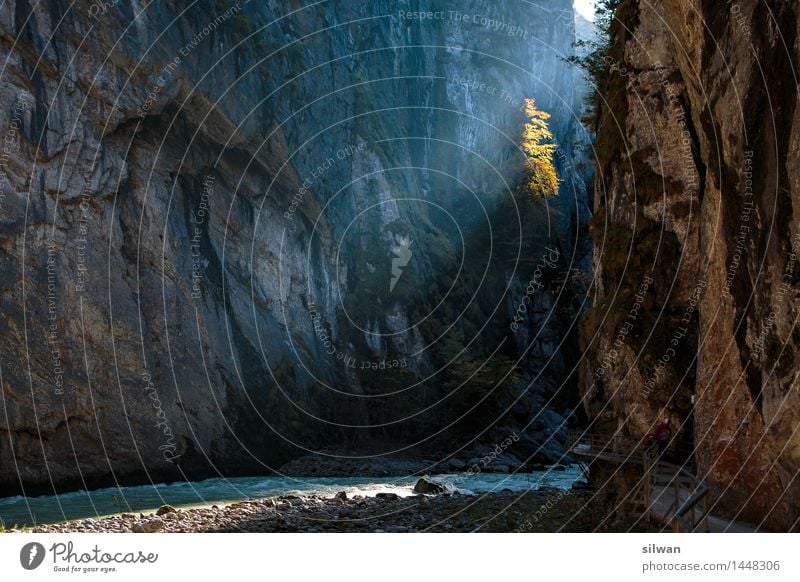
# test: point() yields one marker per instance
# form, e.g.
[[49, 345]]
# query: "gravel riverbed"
[[545, 510]]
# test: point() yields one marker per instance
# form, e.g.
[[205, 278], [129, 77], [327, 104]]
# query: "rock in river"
[[164, 509], [429, 487]]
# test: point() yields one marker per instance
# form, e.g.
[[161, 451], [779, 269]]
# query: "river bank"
[[34, 511], [544, 510]]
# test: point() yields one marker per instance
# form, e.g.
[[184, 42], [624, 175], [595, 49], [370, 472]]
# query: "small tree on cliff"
[[541, 179], [603, 61]]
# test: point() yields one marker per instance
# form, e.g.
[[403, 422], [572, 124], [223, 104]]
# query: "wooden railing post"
[[677, 502]]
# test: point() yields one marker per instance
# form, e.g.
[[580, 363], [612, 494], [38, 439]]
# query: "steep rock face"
[[696, 240], [179, 188]]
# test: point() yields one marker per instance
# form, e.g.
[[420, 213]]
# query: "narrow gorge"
[[541, 256]]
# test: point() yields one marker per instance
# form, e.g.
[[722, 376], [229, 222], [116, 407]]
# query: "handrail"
[[618, 444], [614, 446], [700, 492], [577, 436]]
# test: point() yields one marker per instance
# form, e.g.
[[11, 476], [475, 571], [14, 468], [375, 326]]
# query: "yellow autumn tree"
[[541, 178]]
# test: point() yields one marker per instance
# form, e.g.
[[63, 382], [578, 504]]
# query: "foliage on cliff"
[[602, 60], [537, 142]]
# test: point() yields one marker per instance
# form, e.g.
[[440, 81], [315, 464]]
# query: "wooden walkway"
[[670, 494]]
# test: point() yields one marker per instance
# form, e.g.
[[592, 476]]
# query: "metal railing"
[[688, 510]]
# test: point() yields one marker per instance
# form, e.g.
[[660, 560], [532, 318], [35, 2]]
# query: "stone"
[[164, 509], [341, 495], [151, 525], [428, 487], [387, 496]]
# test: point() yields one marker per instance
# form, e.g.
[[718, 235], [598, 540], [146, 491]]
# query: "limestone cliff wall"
[[696, 242], [187, 188]]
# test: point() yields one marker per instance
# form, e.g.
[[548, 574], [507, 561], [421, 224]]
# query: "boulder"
[[536, 450], [165, 509], [429, 487]]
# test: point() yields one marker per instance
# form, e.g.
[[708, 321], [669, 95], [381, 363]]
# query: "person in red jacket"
[[659, 436]]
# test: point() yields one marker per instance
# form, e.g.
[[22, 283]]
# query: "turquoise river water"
[[29, 511]]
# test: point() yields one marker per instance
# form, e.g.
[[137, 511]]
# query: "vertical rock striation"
[[696, 244]]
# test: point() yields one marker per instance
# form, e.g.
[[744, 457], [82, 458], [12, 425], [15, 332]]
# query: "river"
[[44, 509]]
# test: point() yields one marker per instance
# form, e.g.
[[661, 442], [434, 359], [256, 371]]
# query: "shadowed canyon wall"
[[200, 209]]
